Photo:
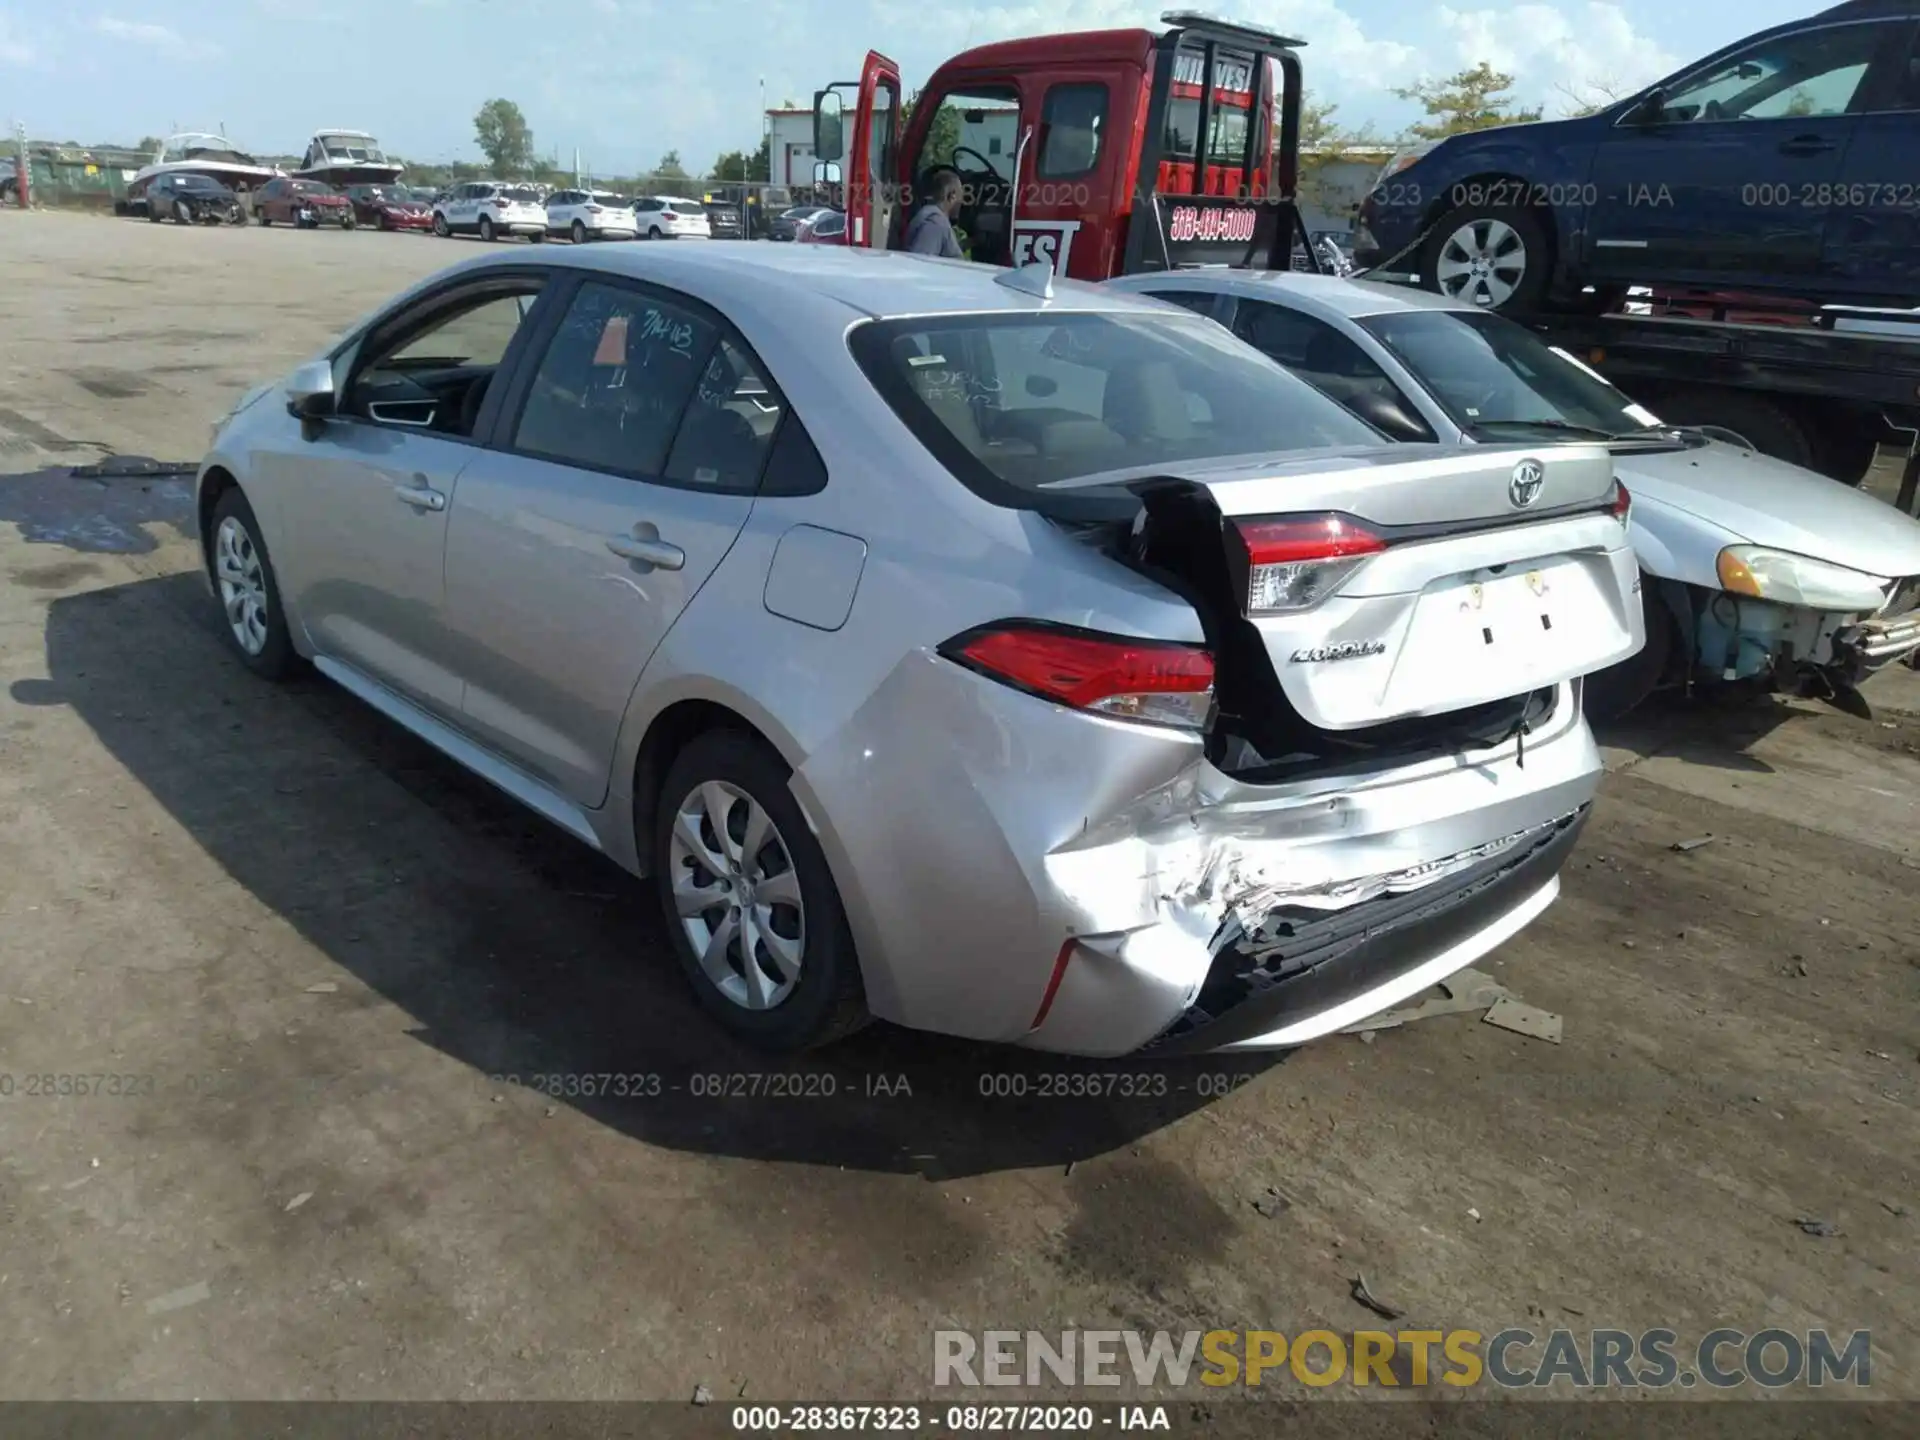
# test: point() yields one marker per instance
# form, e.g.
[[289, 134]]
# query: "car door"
[[1333, 363], [367, 493], [1725, 175], [625, 462], [1872, 250]]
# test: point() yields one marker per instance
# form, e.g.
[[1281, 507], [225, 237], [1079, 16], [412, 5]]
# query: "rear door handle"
[[1806, 145], [420, 496], [651, 551]]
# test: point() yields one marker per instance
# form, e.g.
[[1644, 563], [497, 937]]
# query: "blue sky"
[[626, 80]]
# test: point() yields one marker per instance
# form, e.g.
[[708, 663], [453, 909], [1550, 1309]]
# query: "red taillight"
[[1295, 561], [1621, 505], [594, 210], [1153, 680]]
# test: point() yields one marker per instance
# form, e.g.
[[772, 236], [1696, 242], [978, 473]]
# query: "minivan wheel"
[[755, 919], [249, 596], [1493, 256]]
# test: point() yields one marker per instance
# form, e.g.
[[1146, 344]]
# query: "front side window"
[[435, 374], [1030, 401], [1496, 378], [1809, 74], [635, 384], [1072, 119]]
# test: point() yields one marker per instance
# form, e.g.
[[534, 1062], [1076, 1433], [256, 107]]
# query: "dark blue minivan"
[[1788, 163]]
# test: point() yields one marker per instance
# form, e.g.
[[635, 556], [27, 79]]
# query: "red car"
[[304, 204], [829, 228], [389, 207]]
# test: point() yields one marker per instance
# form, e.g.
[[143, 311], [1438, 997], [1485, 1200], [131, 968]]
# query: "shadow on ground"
[[516, 950]]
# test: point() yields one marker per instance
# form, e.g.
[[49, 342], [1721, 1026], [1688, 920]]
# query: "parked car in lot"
[[583, 215], [389, 207], [786, 225], [828, 227], [490, 210], [190, 199], [724, 219], [1777, 164], [1753, 569], [305, 204], [910, 662], [669, 217]]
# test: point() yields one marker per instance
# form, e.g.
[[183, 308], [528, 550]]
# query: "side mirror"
[[827, 110], [310, 391], [1388, 416], [1649, 109]]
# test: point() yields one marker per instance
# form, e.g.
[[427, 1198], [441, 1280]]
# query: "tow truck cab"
[[1084, 151]]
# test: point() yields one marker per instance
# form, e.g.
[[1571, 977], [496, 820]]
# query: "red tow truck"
[[1105, 171]]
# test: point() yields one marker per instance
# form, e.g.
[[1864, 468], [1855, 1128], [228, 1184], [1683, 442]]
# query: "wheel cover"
[[243, 585], [737, 895], [1482, 263]]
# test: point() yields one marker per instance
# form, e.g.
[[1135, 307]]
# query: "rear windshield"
[[525, 193], [1030, 400]]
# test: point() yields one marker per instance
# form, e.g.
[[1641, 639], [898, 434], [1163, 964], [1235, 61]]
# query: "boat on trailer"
[[347, 157]]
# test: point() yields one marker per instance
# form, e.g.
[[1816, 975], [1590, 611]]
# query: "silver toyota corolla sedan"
[[1032, 664]]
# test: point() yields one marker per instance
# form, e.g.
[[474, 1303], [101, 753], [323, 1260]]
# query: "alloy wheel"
[[737, 895], [1482, 263], [243, 584]]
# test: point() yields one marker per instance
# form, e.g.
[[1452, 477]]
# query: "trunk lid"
[[1450, 594]]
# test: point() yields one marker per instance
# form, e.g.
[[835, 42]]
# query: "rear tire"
[[247, 592], [578, 234], [539, 237], [1616, 691], [486, 229], [719, 782], [1496, 251], [153, 216], [349, 223]]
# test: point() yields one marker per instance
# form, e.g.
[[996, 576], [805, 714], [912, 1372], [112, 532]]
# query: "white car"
[[490, 209], [1753, 569], [671, 217], [583, 215]]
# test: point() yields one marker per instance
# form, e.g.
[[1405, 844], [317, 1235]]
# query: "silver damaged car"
[[1026, 662]]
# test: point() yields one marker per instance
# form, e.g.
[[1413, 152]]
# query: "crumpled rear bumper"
[[1019, 872]]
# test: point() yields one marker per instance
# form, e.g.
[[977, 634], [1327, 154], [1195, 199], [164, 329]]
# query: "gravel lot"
[[311, 942]]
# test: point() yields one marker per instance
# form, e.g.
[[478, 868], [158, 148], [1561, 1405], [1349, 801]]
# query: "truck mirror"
[[826, 172], [827, 142]]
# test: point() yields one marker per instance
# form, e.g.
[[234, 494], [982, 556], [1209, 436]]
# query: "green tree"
[[943, 133], [1591, 98], [1325, 141], [760, 163], [670, 167], [732, 166], [149, 145], [1472, 99], [502, 134]]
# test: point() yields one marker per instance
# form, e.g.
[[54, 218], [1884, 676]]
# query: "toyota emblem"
[[1529, 478]]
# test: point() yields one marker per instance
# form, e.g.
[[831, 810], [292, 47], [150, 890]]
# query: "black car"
[[192, 200], [723, 218], [786, 225]]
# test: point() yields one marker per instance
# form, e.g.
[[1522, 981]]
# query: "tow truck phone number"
[[988, 1419]]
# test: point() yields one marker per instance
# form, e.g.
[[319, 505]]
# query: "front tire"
[[1492, 256], [181, 214], [486, 229], [349, 223], [538, 237], [1619, 689], [752, 911], [249, 596], [440, 227]]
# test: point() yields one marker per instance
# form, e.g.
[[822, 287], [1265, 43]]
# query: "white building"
[[790, 147]]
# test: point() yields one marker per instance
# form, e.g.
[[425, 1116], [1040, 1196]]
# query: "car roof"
[[1325, 294], [852, 280]]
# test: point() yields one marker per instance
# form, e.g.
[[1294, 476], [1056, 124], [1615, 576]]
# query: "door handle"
[[1806, 145], [420, 497], [650, 550]]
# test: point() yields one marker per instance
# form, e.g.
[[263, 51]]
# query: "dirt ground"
[[307, 943]]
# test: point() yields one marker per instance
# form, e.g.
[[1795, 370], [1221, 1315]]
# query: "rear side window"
[[1072, 119], [1017, 401], [728, 427]]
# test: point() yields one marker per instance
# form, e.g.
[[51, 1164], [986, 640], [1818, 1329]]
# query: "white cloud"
[[14, 46], [157, 38], [1590, 50]]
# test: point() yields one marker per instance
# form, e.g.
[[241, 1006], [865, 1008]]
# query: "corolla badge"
[[1529, 478], [1345, 650]]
